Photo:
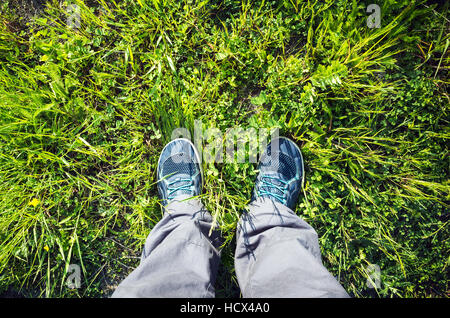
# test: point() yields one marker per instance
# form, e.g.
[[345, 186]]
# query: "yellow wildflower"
[[34, 202]]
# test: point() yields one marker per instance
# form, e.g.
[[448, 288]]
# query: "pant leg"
[[179, 258], [278, 255]]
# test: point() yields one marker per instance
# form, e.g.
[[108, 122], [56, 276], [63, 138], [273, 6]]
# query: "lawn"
[[91, 91]]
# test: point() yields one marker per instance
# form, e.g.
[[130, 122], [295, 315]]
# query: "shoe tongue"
[[179, 180]]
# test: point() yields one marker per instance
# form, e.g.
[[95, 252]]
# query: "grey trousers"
[[277, 255]]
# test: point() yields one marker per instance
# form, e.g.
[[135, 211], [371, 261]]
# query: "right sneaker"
[[281, 173]]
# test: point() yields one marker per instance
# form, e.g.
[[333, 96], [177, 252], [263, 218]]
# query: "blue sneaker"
[[281, 173], [179, 171]]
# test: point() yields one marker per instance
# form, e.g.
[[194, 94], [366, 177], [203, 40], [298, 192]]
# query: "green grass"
[[85, 112]]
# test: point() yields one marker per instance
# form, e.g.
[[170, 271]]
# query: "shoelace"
[[186, 186], [269, 184]]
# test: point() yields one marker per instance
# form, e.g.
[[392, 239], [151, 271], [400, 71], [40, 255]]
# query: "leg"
[[278, 255], [179, 258]]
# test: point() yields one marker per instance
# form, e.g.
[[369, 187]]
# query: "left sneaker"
[[179, 171]]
